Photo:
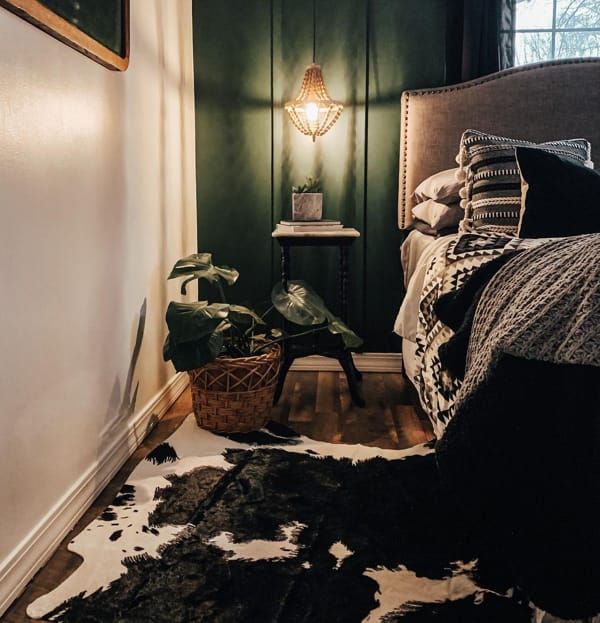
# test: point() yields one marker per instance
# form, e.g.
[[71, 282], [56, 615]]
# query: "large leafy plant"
[[201, 332]]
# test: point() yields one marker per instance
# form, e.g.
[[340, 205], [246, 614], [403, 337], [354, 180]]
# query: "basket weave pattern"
[[235, 395]]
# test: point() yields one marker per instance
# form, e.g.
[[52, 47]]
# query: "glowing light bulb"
[[312, 111]]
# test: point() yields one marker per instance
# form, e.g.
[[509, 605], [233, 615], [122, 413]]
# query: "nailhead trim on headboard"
[[405, 103]]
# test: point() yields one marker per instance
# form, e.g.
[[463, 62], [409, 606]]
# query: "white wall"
[[97, 200]]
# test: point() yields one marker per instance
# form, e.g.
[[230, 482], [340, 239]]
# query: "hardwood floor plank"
[[302, 407], [281, 411], [401, 390], [327, 392], [380, 427], [410, 426], [350, 422], [402, 393], [327, 417]]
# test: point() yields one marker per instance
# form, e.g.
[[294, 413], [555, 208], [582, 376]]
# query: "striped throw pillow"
[[491, 196]]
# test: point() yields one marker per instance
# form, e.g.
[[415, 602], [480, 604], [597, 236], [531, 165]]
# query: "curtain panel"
[[479, 40]]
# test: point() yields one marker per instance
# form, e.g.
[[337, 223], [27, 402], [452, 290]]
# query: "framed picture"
[[100, 30]]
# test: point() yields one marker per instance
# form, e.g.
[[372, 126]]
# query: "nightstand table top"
[[347, 232]]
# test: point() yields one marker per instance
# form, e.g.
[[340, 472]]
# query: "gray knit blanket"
[[544, 304]]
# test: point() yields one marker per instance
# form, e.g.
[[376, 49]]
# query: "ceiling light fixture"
[[313, 112]]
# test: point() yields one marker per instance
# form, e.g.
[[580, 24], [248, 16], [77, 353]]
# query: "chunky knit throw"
[[544, 304]]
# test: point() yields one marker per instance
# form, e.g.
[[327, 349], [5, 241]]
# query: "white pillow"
[[437, 215], [442, 187]]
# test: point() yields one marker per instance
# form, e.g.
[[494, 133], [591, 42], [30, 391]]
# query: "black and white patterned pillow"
[[491, 196]]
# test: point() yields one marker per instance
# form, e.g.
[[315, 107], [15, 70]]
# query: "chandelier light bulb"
[[312, 111]]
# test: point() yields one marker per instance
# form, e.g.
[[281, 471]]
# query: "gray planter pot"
[[307, 206]]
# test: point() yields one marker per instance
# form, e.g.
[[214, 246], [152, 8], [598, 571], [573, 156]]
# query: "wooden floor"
[[316, 404]]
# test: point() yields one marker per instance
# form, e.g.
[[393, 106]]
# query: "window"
[[547, 29]]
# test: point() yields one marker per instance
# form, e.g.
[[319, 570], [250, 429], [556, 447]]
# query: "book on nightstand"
[[309, 226]]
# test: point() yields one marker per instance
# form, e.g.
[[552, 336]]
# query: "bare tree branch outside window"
[[548, 29]]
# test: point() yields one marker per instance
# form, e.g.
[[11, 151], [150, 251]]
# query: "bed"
[[535, 102], [518, 433]]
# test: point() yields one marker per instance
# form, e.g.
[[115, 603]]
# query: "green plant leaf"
[[228, 274], [190, 355], [200, 266], [193, 338], [188, 322], [191, 263], [312, 185], [299, 304], [337, 327], [239, 314], [184, 283], [167, 351]]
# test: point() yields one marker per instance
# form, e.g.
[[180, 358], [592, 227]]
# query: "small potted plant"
[[307, 201], [231, 352]]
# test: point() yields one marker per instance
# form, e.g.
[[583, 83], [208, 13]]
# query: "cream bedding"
[[416, 254]]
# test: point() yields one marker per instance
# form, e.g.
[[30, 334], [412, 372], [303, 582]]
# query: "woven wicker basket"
[[235, 395]]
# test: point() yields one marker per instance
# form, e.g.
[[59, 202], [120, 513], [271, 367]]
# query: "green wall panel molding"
[[249, 59]]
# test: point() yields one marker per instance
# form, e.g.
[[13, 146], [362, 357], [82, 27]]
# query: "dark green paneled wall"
[[249, 59], [232, 55]]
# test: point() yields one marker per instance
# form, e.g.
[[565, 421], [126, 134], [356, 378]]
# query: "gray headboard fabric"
[[542, 102]]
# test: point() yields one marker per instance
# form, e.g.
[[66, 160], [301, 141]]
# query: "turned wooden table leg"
[[343, 283], [285, 265], [343, 295], [287, 358]]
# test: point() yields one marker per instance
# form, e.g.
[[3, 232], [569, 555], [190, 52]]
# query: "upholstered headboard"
[[543, 102]]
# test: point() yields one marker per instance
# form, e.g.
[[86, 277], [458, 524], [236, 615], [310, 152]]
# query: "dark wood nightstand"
[[342, 239]]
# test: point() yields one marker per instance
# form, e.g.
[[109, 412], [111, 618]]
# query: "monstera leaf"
[[301, 305], [191, 321], [338, 327], [193, 338], [244, 316], [195, 354], [200, 266]]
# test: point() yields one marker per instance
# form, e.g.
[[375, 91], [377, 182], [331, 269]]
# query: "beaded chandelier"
[[313, 112]]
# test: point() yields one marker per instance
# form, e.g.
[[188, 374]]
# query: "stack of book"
[[295, 227]]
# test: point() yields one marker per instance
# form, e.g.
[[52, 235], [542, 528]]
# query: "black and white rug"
[[274, 527]]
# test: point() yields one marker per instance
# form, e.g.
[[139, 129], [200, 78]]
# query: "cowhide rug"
[[274, 527]]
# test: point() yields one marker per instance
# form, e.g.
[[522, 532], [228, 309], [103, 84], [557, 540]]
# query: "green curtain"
[[478, 41]]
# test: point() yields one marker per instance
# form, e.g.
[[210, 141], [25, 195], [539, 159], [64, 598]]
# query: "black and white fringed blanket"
[[448, 271], [271, 527]]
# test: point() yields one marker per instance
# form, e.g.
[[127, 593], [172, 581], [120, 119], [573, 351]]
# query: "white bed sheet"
[[411, 250], [409, 360], [415, 253]]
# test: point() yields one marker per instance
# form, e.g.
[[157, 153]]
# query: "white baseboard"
[[365, 362], [36, 548]]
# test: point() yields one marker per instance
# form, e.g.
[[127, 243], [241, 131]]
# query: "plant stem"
[[221, 290], [250, 331], [267, 312]]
